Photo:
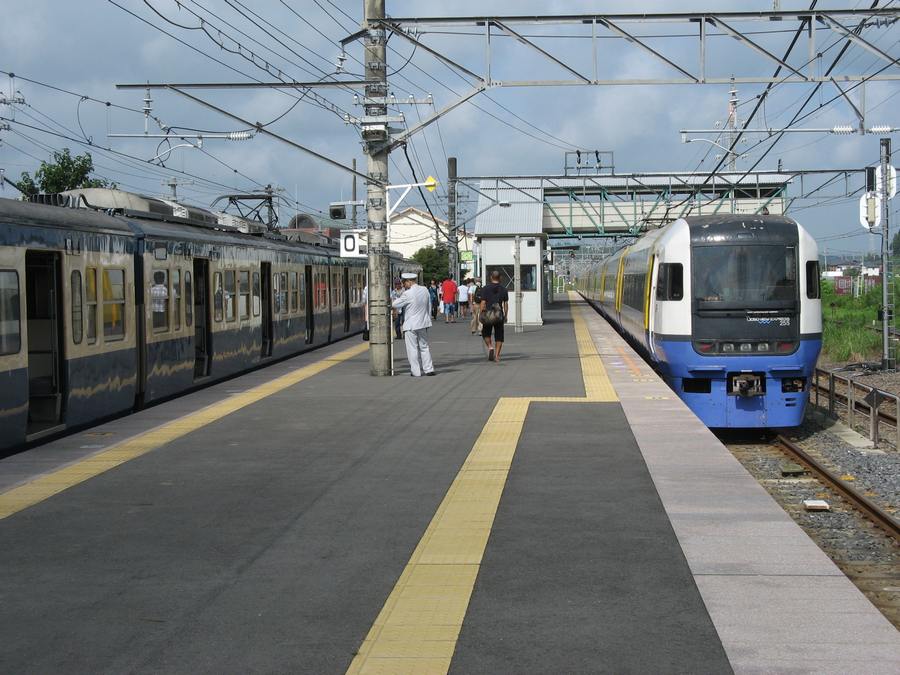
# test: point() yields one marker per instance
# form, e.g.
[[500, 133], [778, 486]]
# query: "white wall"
[[499, 251]]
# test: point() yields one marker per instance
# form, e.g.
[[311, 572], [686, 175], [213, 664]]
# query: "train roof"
[[66, 212], [749, 228], [27, 213]]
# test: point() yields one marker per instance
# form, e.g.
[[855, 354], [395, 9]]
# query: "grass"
[[847, 325]]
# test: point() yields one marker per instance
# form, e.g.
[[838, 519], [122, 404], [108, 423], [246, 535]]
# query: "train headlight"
[[762, 347], [727, 347], [746, 347]]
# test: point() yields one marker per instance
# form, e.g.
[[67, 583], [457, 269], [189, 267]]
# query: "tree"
[[435, 262], [63, 173]]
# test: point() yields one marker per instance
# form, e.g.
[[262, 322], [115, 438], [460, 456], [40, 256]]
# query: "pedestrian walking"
[[415, 303], [434, 292], [463, 299], [448, 295], [475, 294], [494, 310]]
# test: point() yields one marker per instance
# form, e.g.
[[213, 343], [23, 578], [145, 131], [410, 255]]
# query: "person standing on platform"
[[448, 294], [494, 296], [415, 302], [475, 294], [396, 313], [463, 299], [433, 291]]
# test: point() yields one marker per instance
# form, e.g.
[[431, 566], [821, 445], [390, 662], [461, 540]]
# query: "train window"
[[302, 288], [813, 291], [77, 308], [284, 292], [10, 326], [176, 299], [244, 287], [256, 303], [159, 300], [321, 294], [670, 282], [295, 293], [218, 297], [188, 300], [276, 292], [230, 295], [113, 304], [90, 288]]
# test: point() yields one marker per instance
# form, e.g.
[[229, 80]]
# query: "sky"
[[87, 47]]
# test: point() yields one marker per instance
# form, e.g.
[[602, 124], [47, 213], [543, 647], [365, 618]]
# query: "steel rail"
[[875, 513]]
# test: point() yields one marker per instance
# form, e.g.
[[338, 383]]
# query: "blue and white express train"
[[727, 308]]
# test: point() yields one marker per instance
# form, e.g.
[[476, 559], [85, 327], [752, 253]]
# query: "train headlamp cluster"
[[734, 347]]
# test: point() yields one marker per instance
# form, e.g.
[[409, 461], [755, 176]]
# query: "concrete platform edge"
[[754, 593]]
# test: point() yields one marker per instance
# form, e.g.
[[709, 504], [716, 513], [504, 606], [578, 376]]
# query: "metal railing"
[[843, 394]]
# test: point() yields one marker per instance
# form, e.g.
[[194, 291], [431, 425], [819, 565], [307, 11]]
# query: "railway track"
[[857, 533]]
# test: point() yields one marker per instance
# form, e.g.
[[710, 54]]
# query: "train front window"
[[752, 275]]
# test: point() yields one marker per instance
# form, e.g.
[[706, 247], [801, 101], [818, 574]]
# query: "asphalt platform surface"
[[269, 540]]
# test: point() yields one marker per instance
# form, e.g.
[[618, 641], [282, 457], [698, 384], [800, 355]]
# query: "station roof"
[[521, 207], [521, 210]]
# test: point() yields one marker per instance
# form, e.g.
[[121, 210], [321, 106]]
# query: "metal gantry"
[[591, 69]]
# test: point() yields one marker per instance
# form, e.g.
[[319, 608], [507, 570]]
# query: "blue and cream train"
[[105, 312], [727, 308]]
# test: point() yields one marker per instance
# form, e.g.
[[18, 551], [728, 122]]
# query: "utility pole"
[[886, 309], [353, 194], [453, 238], [376, 192]]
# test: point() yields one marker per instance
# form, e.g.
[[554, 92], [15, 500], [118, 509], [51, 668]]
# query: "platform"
[[561, 511]]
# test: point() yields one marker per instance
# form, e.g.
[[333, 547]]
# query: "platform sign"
[[870, 210], [352, 242], [892, 181]]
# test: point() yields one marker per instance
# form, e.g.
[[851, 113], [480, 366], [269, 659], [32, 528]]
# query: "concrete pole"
[[885, 246], [517, 282], [376, 196], [453, 239], [353, 194]]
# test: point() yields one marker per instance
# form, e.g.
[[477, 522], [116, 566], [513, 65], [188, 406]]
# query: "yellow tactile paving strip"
[[39, 489], [417, 629]]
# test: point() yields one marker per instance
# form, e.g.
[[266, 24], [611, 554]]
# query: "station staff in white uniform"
[[416, 322]]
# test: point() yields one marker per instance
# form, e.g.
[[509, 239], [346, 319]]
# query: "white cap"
[[409, 275]]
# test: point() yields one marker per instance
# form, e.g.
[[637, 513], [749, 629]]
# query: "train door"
[[346, 290], [43, 294], [266, 279], [310, 307], [650, 304], [202, 324]]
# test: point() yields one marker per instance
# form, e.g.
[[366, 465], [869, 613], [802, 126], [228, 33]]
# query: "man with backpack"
[[494, 310]]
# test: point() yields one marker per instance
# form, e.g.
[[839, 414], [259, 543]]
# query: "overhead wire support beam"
[[525, 41], [246, 85], [400, 32], [648, 17], [631, 38], [814, 24], [755, 47], [855, 37]]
